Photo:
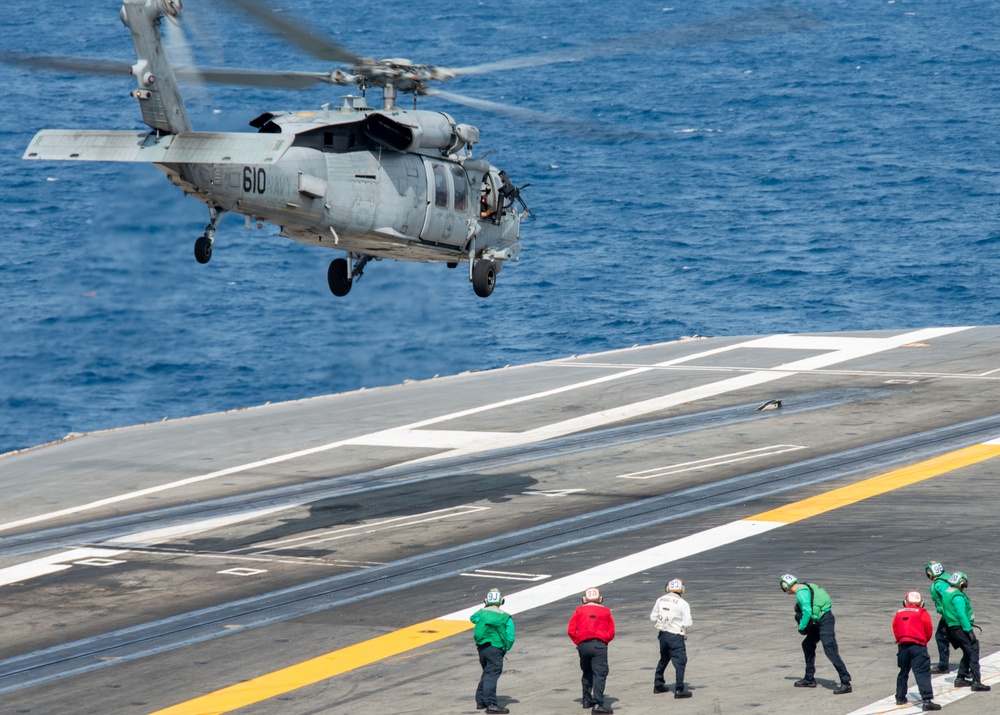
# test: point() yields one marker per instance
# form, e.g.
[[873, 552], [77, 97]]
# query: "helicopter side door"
[[447, 204]]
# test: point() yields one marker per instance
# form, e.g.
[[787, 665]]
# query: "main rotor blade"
[[575, 128], [255, 78], [298, 34], [767, 21], [72, 64]]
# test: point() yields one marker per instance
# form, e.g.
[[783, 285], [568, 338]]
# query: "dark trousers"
[[672, 648], [594, 664], [823, 631], [970, 653], [913, 656], [941, 638], [491, 659]]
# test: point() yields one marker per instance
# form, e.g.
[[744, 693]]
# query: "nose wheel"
[[484, 278], [338, 278], [340, 275]]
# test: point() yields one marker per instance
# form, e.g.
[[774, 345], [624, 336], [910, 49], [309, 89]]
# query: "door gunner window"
[[461, 188], [440, 187]]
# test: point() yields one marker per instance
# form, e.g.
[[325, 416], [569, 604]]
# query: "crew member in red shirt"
[[912, 628], [591, 628]]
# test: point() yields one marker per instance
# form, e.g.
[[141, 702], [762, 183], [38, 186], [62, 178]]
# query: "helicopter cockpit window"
[[461, 188], [440, 187]]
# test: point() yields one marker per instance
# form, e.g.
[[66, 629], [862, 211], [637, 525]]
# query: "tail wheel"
[[484, 278], [336, 276]]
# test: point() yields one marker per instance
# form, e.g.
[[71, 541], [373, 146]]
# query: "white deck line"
[[577, 583], [945, 692], [51, 564], [849, 349]]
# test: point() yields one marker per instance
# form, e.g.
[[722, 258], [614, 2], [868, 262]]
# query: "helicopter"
[[372, 182]]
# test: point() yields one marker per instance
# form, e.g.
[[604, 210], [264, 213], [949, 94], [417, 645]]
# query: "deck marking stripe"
[[319, 668], [709, 462], [945, 692], [51, 564], [879, 485], [367, 652], [862, 348], [847, 349]]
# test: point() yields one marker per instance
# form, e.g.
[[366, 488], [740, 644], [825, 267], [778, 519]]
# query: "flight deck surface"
[[322, 556]]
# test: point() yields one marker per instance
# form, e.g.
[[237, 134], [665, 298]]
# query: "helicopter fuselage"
[[375, 183], [337, 187]]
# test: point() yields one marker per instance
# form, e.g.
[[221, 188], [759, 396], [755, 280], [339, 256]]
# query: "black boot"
[[805, 683], [681, 692], [979, 687], [930, 705], [843, 689]]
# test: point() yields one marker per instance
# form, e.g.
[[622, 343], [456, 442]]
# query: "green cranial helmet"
[[787, 581], [958, 580], [494, 597], [933, 569]]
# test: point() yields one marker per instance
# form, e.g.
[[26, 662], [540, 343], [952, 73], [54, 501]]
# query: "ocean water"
[[843, 178]]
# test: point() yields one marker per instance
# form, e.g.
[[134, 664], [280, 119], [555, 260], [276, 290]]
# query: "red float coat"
[[591, 620], [912, 625]]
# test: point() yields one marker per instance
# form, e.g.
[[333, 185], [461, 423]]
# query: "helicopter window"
[[461, 188], [440, 187]]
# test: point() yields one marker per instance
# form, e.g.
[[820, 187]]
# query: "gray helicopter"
[[372, 182]]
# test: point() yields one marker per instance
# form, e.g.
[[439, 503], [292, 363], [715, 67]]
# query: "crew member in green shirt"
[[815, 619], [958, 614], [494, 636], [939, 584]]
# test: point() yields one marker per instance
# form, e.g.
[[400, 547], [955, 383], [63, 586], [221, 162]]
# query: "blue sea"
[[842, 178]]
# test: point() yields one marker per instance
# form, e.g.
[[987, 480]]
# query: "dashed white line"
[[712, 461]]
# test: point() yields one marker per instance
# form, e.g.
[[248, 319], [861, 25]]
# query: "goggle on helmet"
[[494, 597]]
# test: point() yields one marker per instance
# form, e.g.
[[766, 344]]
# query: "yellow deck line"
[[881, 484], [318, 669], [367, 652]]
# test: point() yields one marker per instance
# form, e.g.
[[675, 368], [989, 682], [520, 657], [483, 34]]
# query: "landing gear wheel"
[[484, 278], [336, 276], [203, 249]]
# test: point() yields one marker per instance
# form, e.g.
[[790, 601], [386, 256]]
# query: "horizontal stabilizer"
[[186, 148]]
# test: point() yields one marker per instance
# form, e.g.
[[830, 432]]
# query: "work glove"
[[802, 631], [972, 636]]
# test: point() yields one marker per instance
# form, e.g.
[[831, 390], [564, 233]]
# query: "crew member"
[[494, 636], [960, 618], [672, 616], [939, 584], [591, 628], [815, 619], [912, 628]]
